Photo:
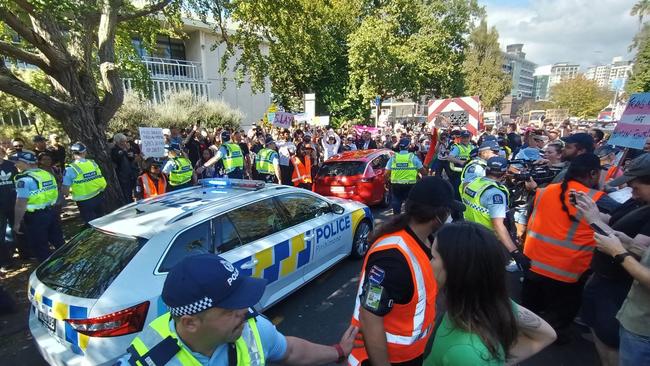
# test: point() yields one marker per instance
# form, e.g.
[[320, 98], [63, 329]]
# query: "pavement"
[[320, 311]]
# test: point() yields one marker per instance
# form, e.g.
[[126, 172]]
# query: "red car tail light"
[[119, 323]]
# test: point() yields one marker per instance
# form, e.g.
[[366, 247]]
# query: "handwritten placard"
[[283, 119], [634, 126], [153, 142]]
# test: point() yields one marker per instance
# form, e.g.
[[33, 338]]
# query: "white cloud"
[[587, 32]]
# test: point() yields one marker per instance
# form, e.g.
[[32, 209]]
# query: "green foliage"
[[639, 81], [483, 67], [583, 98], [181, 109]]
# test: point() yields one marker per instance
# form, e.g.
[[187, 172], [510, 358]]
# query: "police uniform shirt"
[[169, 166], [495, 201], [70, 174], [388, 275], [474, 171], [416, 161], [273, 342], [24, 186]]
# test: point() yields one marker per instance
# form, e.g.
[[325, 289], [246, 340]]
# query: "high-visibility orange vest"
[[301, 172], [408, 326], [559, 248], [151, 189]]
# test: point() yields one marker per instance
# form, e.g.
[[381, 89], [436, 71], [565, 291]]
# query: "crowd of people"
[[563, 208]]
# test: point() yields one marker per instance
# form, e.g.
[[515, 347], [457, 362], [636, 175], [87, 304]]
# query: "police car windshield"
[[88, 264], [342, 168]]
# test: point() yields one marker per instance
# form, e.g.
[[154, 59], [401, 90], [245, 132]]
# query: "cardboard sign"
[[320, 120], [634, 126], [283, 119], [153, 142]]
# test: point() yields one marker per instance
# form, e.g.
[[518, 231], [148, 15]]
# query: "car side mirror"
[[337, 209]]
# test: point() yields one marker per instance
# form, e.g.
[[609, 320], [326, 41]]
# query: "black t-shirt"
[[7, 188], [194, 151], [396, 273], [244, 149], [635, 222]]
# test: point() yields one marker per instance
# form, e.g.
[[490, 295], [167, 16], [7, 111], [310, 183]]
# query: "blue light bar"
[[232, 183]]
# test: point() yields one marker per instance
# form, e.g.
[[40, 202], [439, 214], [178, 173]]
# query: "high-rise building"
[[520, 69], [549, 75], [612, 76]]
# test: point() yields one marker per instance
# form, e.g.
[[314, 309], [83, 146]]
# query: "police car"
[[92, 296]]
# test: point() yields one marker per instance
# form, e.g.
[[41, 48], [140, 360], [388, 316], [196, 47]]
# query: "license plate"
[[337, 189], [47, 321]]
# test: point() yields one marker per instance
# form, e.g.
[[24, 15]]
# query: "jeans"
[[634, 349]]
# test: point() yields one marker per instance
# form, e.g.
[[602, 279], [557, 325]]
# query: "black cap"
[[38, 138], [583, 139], [639, 167], [435, 192]]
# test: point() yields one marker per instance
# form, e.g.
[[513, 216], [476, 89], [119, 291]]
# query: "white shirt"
[[285, 149]]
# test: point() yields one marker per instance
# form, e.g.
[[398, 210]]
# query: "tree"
[[583, 98], [483, 70], [641, 9], [639, 81], [84, 48]]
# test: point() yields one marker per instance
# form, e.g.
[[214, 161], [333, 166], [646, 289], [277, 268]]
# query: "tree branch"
[[147, 10], [35, 59], [114, 95], [10, 84], [29, 35]]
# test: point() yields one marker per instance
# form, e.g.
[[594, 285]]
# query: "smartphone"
[[572, 198], [598, 229]]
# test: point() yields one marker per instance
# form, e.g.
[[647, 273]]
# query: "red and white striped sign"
[[472, 105]]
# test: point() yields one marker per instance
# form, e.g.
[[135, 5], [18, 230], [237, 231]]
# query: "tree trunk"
[[83, 127]]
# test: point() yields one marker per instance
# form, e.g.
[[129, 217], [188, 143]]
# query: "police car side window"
[[302, 207], [195, 240], [226, 236], [257, 220]]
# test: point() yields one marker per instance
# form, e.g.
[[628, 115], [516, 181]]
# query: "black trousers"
[[91, 208], [6, 219], [556, 302], [285, 172]]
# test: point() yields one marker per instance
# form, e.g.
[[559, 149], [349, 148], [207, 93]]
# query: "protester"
[[152, 182], [481, 325]]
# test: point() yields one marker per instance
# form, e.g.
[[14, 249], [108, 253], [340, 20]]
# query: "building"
[[521, 70], [612, 76], [190, 64], [549, 75]]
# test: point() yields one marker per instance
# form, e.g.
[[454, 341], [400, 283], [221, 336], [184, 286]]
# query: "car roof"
[[178, 209], [358, 155]]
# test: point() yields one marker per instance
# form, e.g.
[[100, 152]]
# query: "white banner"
[[320, 120], [153, 142]]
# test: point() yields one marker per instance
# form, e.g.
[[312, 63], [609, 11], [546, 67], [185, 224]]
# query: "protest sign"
[[320, 120], [153, 142], [634, 126], [283, 119], [359, 129]]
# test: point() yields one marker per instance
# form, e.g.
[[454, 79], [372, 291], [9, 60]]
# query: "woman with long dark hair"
[[395, 306], [482, 326]]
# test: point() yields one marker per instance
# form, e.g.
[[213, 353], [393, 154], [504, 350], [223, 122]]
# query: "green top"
[[634, 315], [456, 347]]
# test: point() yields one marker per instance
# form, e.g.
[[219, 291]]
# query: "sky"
[[587, 32]]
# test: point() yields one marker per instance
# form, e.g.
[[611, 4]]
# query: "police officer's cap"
[[404, 143], [497, 164], [465, 134], [225, 136], [269, 141], [78, 147], [489, 145], [203, 281], [173, 147], [24, 156]]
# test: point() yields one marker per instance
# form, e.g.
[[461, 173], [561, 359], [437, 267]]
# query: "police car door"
[[257, 239], [326, 235]]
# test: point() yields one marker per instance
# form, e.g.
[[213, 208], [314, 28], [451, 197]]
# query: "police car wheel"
[[360, 243]]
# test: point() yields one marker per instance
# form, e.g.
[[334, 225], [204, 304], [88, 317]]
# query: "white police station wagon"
[[93, 295]]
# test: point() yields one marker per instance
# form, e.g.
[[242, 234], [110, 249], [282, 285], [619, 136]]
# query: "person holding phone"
[[621, 272]]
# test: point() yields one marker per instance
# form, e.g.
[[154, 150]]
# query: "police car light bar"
[[232, 183]]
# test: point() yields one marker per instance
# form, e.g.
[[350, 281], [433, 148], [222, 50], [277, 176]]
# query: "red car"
[[357, 175]]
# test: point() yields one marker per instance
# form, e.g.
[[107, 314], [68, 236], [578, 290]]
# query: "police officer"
[[36, 194], [210, 322], [178, 169], [267, 163], [403, 169], [476, 167], [395, 305], [231, 155], [486, 200], [458, 157], [84, 180]]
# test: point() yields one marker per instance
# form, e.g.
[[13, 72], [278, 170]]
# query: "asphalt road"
[[321, 311]]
